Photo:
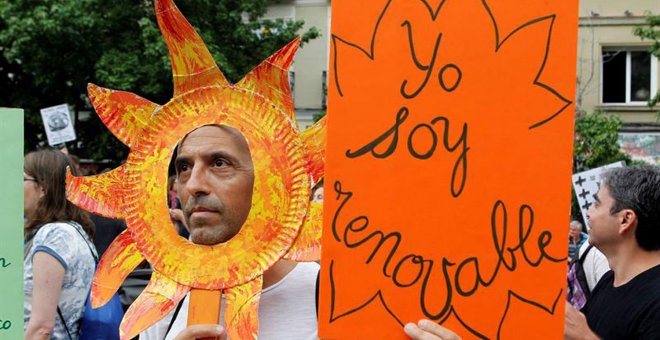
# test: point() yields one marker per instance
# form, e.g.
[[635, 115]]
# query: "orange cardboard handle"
[[204, 307]]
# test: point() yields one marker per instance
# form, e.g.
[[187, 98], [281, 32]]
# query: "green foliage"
[[595, 145], [317, 116], [596, 141], [651, 31], [50, 50]]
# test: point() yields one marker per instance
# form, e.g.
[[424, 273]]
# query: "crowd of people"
[[214, 191]]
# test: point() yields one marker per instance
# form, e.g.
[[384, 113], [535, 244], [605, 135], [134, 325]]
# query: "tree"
[[596, 145], [53, 49], [596, 141], [651, 31]]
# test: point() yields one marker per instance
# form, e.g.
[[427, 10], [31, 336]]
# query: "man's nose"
[[197, 184]]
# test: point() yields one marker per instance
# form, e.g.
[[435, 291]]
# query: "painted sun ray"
[[159, 297], [307, 246], [124, 113], [99, 194], [242, 307], [271, 78], [314, 140], [192, 63], [119, 260]]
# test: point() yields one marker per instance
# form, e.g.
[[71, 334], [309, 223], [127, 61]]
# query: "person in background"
[[317, 192], [59, 254], [106, 230], [576, 237], [176, 214], [625, 226], [584, 272]]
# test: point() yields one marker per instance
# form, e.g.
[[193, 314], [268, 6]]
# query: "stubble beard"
[[211, 235]]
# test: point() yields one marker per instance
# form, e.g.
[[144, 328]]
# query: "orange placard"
[[450, 129]]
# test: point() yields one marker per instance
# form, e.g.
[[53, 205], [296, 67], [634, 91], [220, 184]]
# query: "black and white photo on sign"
[[58, 125], [586, 186]]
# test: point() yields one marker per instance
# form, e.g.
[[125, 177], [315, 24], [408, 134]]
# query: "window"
[[629, 76]]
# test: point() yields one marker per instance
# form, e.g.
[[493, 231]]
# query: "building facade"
[[308, 74], [616, 74]]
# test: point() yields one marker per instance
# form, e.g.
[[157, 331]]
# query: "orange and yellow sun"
[[282, 222]]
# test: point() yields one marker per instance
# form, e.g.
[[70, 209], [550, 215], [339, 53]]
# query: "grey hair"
[[637, 189]]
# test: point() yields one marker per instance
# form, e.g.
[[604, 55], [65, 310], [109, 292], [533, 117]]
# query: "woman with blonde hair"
[[59, 255]]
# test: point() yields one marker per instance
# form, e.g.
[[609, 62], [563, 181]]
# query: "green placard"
[[11, 228]]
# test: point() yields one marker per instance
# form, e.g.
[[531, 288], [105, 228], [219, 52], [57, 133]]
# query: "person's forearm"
[[35, 331]]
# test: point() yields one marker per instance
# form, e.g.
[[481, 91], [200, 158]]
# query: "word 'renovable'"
[[467, 276]]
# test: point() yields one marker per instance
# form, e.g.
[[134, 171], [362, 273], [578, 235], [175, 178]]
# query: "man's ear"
[[628, 220]]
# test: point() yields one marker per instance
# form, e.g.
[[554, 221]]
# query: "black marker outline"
[[356, 309], [464, 324], [533, 303], [369, 54], [434, 15], [536, 82], [419, 65]]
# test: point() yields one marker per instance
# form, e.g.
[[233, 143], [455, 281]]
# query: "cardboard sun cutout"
[[282, 222]]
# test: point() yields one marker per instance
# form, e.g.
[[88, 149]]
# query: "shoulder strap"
[[580, 273], [176, 312], [59, 312], [96, 259], [584, 255]]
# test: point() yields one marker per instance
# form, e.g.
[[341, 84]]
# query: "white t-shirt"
[[595, 265], [287, 309]]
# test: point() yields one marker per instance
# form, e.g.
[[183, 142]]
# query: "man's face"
[[575, 232], [215, 178], [603, 225]]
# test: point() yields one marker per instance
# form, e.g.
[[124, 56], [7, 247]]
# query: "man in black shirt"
[[625, 226]]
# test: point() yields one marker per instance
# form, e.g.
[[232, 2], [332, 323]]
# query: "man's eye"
[[183, 167], [220, 162]]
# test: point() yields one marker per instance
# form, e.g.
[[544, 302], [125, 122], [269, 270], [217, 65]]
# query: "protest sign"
[[57, 123], [11, 231], [586, 186], [450, 129]]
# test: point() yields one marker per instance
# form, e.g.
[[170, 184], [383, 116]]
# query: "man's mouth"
[[201, 210]]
